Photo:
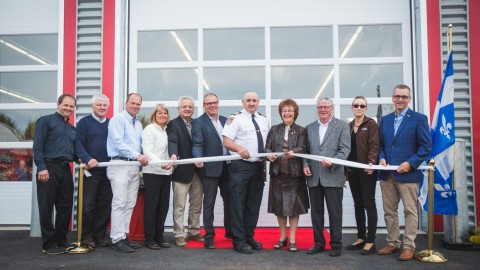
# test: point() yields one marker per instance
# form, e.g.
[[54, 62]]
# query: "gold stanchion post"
[[78, 248], [430, 255]]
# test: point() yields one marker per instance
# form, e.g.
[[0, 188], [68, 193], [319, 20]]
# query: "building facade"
[[281, 49]]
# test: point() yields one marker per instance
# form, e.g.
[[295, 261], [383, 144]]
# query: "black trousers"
[[58, 192], [97, 205], [363, 188], [157, 200], [333, 197], [246, 181], [210, 190]]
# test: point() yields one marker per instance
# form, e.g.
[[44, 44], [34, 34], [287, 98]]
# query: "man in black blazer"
[[185, 177], [207, 141]]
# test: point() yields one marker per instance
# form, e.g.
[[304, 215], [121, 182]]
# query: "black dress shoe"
[[254, 244], [162, 243], [315, 249], [88, 241], [152, 245], [123, 246], [335, 252], [133, 245], [243, 248], [368, 251], [54, 250], [102, 242], [209, 243], [229, 235], [355, 247]]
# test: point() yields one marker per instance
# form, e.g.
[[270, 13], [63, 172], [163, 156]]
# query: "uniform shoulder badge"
[[261, 114], [231, 118]]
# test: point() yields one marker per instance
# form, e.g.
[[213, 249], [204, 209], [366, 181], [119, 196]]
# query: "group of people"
[[296, 184]]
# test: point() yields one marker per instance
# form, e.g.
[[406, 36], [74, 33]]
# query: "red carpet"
[[268, 237]]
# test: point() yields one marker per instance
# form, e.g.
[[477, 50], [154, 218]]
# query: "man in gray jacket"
[[328, 137]]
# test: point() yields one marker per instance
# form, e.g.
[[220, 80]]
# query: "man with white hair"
[[91, 148]]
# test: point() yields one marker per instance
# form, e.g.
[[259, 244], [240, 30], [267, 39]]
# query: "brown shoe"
[[388, 249], [406, 255], [197, 237], [180, 241]]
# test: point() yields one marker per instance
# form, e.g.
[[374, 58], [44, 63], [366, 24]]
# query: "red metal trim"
[[108, 52], [474, 60], [434, 69], [69, 49]]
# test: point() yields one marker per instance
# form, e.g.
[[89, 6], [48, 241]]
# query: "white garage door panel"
[[15, 202]]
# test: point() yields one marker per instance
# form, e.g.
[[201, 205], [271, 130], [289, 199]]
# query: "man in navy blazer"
[[404, 141], [207, 142], [186, 181]]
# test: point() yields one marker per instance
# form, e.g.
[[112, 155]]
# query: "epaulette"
[[261, 114], [232, 117]]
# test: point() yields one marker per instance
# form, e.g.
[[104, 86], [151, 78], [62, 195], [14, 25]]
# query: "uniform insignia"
[[231, 118], [261, 114]]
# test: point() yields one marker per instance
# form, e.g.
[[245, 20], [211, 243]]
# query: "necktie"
[[259, 135], [189, 128], [133, 120]]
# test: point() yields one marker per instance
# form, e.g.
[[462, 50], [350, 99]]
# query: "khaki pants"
[[194, 191], [392, 192]]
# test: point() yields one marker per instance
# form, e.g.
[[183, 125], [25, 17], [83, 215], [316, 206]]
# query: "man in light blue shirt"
[[124, 143]]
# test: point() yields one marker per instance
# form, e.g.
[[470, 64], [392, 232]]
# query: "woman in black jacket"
[[288, 195], [365, 147]]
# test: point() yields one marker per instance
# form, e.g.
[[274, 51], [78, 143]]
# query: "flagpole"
[[430, 255], [450, 33], [455, 227]]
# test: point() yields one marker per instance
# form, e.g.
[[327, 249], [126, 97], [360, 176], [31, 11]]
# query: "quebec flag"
[[443, 139]]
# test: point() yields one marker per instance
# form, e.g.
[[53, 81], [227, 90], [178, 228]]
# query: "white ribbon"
[[237, 157], [356, 164]]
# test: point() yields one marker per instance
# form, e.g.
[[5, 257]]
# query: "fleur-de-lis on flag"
[[445, 191], [445, 128]]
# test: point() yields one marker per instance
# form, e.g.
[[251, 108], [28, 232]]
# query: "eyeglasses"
[[323, 107], [211, 103], [359, 105], [186, 107], [288, 111], [397, 97]]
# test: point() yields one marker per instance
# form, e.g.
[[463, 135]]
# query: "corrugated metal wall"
[[455, 12], [89, 62]]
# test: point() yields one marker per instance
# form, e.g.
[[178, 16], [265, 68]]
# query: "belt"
[[122, 158], [58, 161]]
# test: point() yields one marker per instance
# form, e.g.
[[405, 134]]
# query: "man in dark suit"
[[404, 141], [328, 137], [185, 177], [207, 141]]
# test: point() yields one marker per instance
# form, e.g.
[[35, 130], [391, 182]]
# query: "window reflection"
[[28, 50], [167, 84], [19, 125], [301, 42], [16, 164], [28, 87], [370, 41], [301, 81], [234, 44], [167, 46], [363, 79], [233, 82]]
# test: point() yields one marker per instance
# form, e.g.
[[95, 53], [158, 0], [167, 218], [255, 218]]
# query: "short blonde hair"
[[159, 107]]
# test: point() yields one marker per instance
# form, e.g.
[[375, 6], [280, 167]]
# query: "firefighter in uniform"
[[244, 134]]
